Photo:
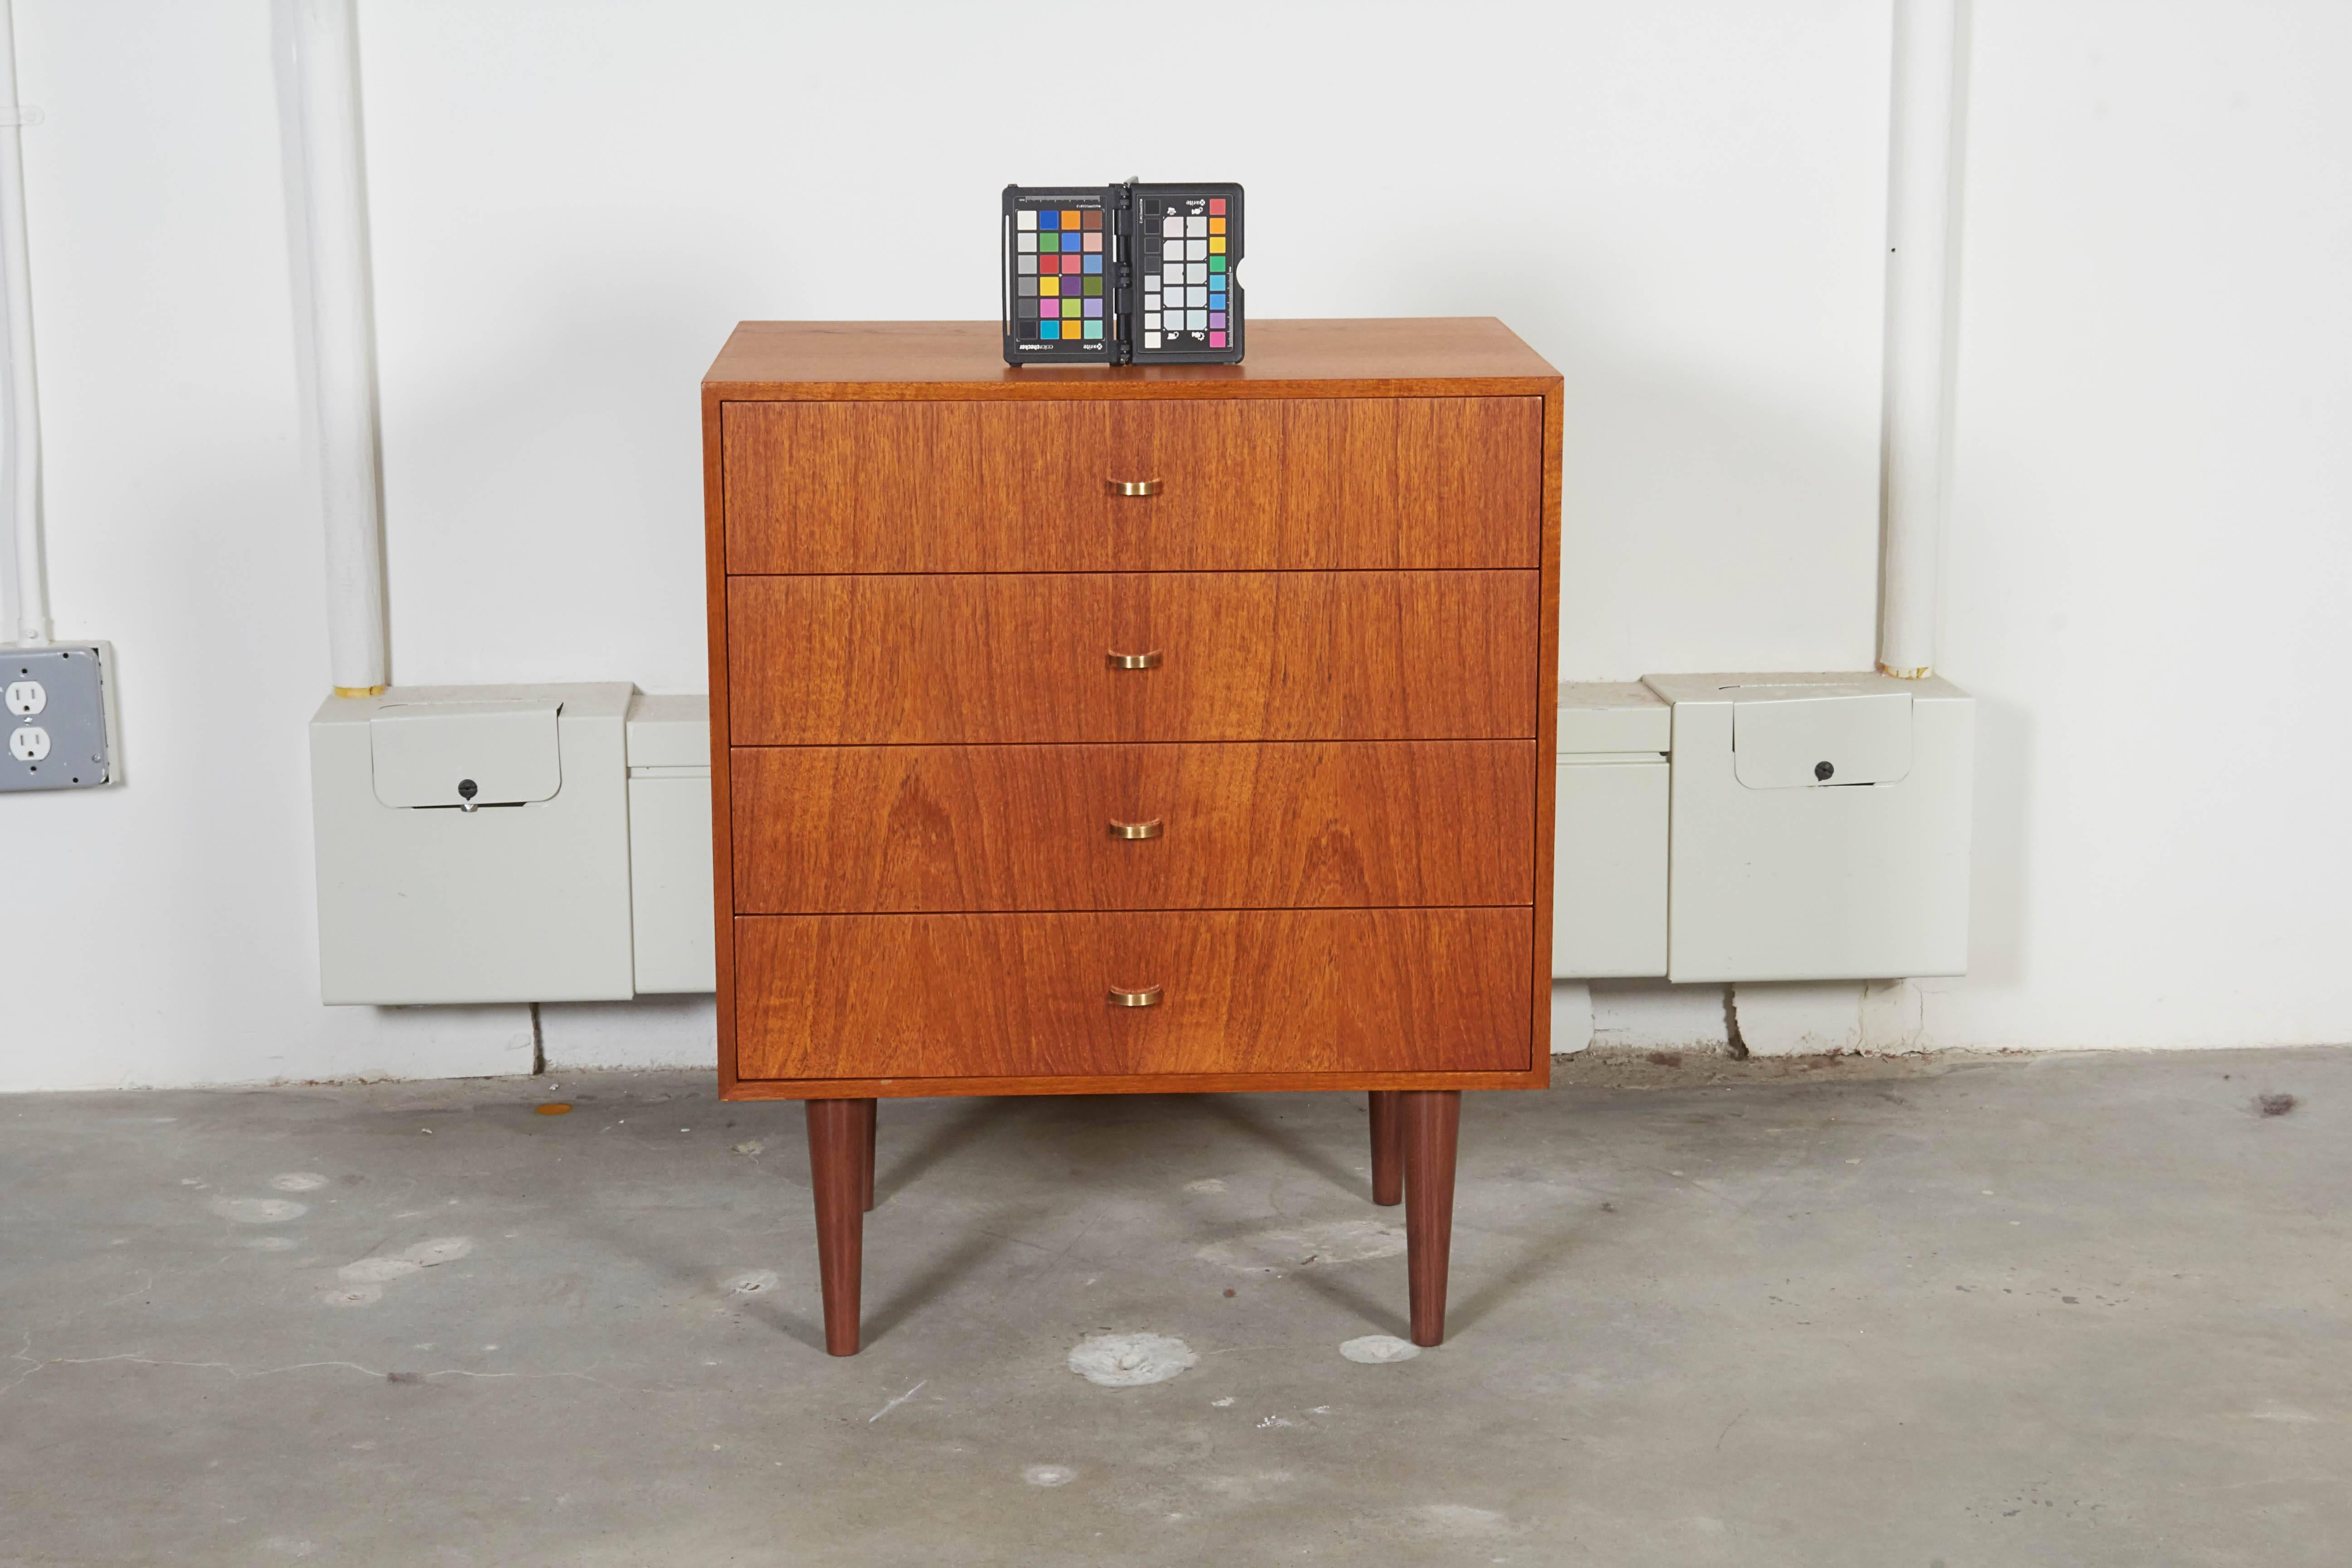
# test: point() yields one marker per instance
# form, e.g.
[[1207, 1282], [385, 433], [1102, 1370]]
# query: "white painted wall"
[[1680, 203], [2151, 536]]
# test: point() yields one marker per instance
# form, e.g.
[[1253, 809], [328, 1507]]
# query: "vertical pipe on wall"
[[1922, 197], [24, 429], [327, 204]]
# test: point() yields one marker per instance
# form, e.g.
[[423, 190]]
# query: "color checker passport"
[[1129, 274]]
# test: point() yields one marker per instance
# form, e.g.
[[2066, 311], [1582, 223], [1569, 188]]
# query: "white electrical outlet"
[[60, 718]]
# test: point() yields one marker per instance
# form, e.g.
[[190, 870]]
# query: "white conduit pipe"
[[23, 438], [1922, 196], [328, 208]]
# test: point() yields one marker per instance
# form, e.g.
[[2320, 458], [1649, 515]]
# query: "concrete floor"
[[2077, 1309]]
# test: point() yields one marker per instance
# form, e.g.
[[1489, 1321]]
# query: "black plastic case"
[[1141, 220], [1110, 202], [1134, 244]]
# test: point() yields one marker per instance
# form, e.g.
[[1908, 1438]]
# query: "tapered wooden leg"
[[1387, 1148], [870, 1106], [1433, 1128], [837, 1131]]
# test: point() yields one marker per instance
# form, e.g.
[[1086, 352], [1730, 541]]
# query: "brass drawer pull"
[[1132, 487], [1151, 829], [1135, 660], [1147, 997]]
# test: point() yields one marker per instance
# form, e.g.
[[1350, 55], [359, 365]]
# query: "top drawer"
[[1244, 484]]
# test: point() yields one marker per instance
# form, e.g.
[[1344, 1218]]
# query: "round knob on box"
[[1147, 997]]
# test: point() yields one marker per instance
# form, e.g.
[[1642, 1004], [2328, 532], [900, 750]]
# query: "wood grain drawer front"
[[868, 829], [965, 659], [1244, 484], [822, 996]]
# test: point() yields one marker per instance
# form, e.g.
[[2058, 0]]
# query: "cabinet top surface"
[[1374, 357]]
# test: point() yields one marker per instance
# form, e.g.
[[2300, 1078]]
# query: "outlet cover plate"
[[55, 718]]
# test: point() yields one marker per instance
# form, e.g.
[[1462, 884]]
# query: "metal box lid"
[[1813, 729], [429, 753], [1800, 739]]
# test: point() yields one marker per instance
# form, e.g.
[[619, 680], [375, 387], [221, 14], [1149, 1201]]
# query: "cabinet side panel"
[[1548, 729], [723, 858]]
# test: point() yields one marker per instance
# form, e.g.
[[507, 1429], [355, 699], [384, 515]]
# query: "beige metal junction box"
[[1819, 826], [669, 843], [1608, 859], [1750, 828], [473, 844]]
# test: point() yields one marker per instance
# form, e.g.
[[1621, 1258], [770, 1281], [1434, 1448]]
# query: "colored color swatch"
[[1057, 274]]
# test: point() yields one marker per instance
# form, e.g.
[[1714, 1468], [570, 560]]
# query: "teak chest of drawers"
[[1083, 730]]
